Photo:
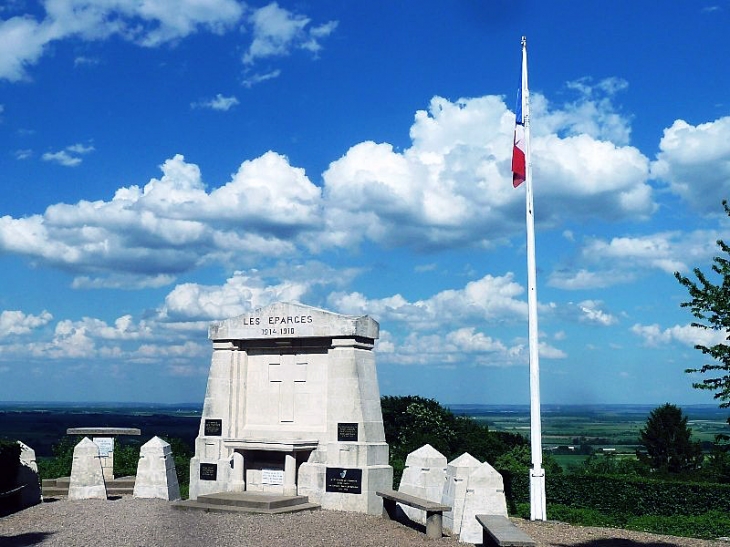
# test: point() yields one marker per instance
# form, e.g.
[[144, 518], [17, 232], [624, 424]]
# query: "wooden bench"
[[434, 511], [498, 531]]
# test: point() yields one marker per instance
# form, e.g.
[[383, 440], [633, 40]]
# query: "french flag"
[[519, 171]]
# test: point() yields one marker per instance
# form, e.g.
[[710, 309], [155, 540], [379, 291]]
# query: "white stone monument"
[[87, 477], [424, 476], [457, 479], [293, 407], [484, 496], [156, 477]]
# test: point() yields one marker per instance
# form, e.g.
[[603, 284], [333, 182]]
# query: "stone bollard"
[[156, 477], [87, 477]]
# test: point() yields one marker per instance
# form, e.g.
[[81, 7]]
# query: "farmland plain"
[[603, 427]]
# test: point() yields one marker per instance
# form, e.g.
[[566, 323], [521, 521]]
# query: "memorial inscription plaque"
[[346, 432], [272, 476], [105, 444], [208, 471], [344, 481], [213, 428]]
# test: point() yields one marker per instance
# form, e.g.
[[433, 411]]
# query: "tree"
[[668, 443], [412, 421], [710, 304]]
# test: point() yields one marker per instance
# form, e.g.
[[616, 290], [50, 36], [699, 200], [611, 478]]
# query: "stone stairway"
[[120, 486], [247, 502]]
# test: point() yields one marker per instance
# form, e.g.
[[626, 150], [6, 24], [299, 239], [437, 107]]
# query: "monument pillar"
[[290, 486]]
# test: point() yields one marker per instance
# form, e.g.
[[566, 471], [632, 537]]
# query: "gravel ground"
[[134, 522]]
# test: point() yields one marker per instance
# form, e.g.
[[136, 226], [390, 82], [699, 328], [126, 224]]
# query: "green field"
[[606, 428]]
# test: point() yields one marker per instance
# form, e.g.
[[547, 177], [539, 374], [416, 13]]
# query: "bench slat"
[[503, 533], [413, 501]]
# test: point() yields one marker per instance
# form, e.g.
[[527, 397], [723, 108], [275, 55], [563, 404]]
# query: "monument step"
[[121, 482], [119, 491], [248, 502], [52, 492], [121, 486], [253, 499], [60, 482]]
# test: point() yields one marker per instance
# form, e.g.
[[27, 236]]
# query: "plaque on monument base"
[[213, 428], [344, 481], [347, 432], [208, 471]]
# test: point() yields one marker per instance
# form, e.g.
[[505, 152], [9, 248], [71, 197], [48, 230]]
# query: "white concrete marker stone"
[[457, 477], [484, 496], [156, 477], [292, 407], [87, 477], [424, 476], [28, 476]]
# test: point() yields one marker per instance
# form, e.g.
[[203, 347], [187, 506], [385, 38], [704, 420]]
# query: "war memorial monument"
[[292, 408]]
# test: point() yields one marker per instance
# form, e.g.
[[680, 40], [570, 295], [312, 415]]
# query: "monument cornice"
[[284, 320]]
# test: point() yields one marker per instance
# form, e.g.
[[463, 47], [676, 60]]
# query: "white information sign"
[[272, 476], [105, 444]]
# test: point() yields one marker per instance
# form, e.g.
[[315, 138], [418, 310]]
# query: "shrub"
[[9, 464], [126, 458], [60, 464], [711, 525]]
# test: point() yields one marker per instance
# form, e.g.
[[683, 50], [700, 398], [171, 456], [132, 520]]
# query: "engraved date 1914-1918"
[[285, 330]]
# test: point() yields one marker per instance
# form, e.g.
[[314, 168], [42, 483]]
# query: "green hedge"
[[622, 495]]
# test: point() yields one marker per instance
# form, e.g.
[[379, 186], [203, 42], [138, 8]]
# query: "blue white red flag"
[[519, 168]]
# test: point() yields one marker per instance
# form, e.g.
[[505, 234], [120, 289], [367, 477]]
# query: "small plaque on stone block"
[[208, 471], [105, 444], [346, 432], [344, 481], [272, 476], [213, 428]]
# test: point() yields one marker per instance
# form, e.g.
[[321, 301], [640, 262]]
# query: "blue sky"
[[169, 163]]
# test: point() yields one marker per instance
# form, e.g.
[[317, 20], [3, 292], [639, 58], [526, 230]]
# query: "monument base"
[[345, 489]]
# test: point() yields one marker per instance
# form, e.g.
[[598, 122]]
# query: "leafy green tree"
[[126, 457], [412, 421], [667, 441], [710, 304], [60, 464], [610, 464], [518, 461]]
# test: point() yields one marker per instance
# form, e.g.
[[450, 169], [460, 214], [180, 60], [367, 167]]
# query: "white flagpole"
[[537, 473]]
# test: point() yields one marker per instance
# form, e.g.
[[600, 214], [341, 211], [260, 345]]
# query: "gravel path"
[[134, 522]]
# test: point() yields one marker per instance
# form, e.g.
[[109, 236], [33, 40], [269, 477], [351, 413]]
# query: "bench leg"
[[389, 509], [487, 540], [434, 524]]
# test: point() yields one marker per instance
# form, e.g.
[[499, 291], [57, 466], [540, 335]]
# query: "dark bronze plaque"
[[208, 471], [346, 432], [344, 481], [213, 428]]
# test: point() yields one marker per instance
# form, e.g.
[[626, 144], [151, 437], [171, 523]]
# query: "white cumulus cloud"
[[277, 31], [654, 335], [15, 322], [694, 161], [24, 38]]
